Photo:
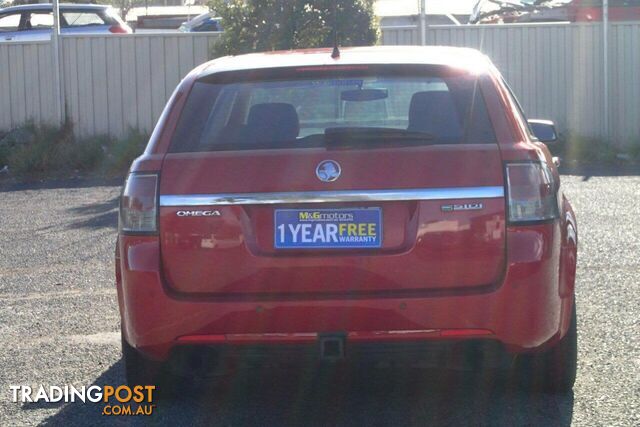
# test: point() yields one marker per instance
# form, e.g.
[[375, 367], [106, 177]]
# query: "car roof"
[[203, 16], [48, 6], [464, 58]]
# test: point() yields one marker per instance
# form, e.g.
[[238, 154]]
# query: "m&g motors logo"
[[118, 400], [313, 216]]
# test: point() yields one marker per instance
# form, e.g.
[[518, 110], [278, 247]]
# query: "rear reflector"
[[419, 335], [138, 207], [532, 192], [202, 339], [239, 339], [460, 333]]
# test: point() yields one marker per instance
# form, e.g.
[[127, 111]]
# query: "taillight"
[[118, 29], [532, 192], [138, 206]]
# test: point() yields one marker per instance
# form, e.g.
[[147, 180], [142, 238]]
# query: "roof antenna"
[[336, 51]]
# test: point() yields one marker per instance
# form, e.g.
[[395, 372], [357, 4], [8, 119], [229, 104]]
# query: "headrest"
[[273, 122], [434, 112]]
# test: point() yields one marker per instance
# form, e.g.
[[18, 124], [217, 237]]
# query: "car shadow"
[[8, 185], [332, 397], [587, 171], [95, 215]]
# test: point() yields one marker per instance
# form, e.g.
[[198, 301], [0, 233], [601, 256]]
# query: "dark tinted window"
[[302, 112]]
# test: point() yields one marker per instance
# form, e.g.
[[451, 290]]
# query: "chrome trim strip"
[[332, 196]]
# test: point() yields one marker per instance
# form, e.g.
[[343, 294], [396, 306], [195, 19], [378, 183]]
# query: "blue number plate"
[[328, 228]]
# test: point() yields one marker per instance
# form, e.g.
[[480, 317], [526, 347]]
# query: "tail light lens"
[[532, 192], [138, 206], [118, 29]]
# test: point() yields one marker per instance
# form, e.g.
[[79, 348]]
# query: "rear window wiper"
[[358, 136]]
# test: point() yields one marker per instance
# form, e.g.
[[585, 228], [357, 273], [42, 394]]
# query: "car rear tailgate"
[[443, 228]]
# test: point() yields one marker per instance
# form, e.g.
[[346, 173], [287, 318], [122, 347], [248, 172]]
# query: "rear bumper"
[[450, 354], [527, 311]]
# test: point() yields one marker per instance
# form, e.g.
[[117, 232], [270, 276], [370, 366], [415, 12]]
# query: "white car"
[[34, 21]]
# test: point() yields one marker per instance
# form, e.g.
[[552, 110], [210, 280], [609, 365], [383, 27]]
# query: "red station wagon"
[[390, 204]]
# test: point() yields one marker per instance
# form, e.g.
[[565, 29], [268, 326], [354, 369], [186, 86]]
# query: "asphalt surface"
[[59, 325]]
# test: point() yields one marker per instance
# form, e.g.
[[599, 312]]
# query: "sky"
[[411, 7]]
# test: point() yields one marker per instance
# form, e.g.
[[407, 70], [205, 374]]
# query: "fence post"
[[423, 22], [57, 72], [605, 47]]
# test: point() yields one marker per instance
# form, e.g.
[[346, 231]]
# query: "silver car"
[[34, 21]]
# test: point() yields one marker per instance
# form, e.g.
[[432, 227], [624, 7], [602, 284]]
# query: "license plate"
[[328, 228]]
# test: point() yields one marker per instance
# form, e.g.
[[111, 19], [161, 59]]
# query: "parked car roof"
[[430, 55], [48, 6], [201, 18]]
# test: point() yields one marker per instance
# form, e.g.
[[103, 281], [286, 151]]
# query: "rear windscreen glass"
[[364, 111], [82, 18]]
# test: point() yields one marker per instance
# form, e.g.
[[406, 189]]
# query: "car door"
[[624, 10], [10, 26]]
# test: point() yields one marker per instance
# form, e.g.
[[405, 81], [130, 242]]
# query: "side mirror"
[[544, 130]]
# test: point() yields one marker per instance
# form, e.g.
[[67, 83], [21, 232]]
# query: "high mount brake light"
[[332, 68], [138, 207], [531, 192]]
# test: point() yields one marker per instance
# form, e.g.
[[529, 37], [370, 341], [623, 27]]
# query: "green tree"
[[264, 25]]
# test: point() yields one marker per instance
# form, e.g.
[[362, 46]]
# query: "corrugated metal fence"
[[113, 83], [557, 70]]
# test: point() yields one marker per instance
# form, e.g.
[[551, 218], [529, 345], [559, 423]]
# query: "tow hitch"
[[332, 347]]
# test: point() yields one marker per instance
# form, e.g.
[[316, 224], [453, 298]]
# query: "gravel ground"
[[59, 325]]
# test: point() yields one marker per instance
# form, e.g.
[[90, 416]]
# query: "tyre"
[[138, 369], [553, 371]]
